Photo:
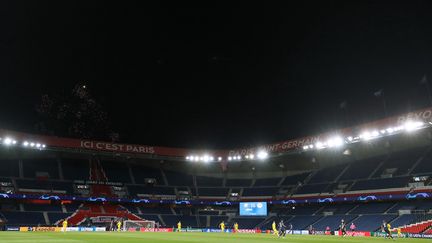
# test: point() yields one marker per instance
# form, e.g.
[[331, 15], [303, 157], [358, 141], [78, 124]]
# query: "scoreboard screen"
[[253, 209]]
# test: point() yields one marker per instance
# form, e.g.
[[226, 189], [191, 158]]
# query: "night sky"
[[217, 77]]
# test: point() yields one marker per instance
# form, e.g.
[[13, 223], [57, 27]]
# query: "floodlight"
[[25, 143], [319, 145], [306, 147], [7, 141], [350, 138], [251, 156], [43, 145], [220, 158], [32, 144], [262, 154], [412, 125], [229, 158], [335, 142], [366, 136]]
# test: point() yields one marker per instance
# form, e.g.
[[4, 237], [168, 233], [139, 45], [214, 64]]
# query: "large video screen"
[[253, 209]]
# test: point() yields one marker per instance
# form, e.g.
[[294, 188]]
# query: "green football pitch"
[[130, 237]]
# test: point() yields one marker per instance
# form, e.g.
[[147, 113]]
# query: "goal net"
[[128, 224]]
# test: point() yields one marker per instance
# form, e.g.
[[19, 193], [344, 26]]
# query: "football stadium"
[[365, 181], [304, 123]]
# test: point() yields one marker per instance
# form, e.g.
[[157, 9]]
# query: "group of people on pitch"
[[385, 227], [281, 229]]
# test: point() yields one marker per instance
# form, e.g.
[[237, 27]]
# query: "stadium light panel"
[[187, 157], [306, 147], [43, 145], [239, 157], [229, 158], [375, 133], [220, 158], [7, 141], [262, 155], [412, 125], [335, 142], [350, 138], [390, 130], [26, 143], [251, 156], [319, 145], [366, 136]]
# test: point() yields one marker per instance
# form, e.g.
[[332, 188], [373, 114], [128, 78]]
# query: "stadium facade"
[[373, 172]]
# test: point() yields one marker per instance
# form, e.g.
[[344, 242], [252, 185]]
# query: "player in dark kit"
[[342, 227], [387, 228], [282, 229]]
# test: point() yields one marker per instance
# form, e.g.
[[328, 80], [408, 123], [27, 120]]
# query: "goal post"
[[148, 224]]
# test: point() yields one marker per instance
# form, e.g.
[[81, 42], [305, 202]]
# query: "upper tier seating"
[[361, 169], [295, 179], [425, 165], [203, 181], [380, 183], [118, 172], [327, 174], [9, 168], [45, 185], [261, 191], [308, 189], [141, 173], [216, 192], [267, 182], [31, 167], [403, 161], [179, 179], [76, 169], [239, 182]]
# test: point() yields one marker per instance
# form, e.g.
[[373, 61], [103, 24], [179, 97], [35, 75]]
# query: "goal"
[[128, 224]]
